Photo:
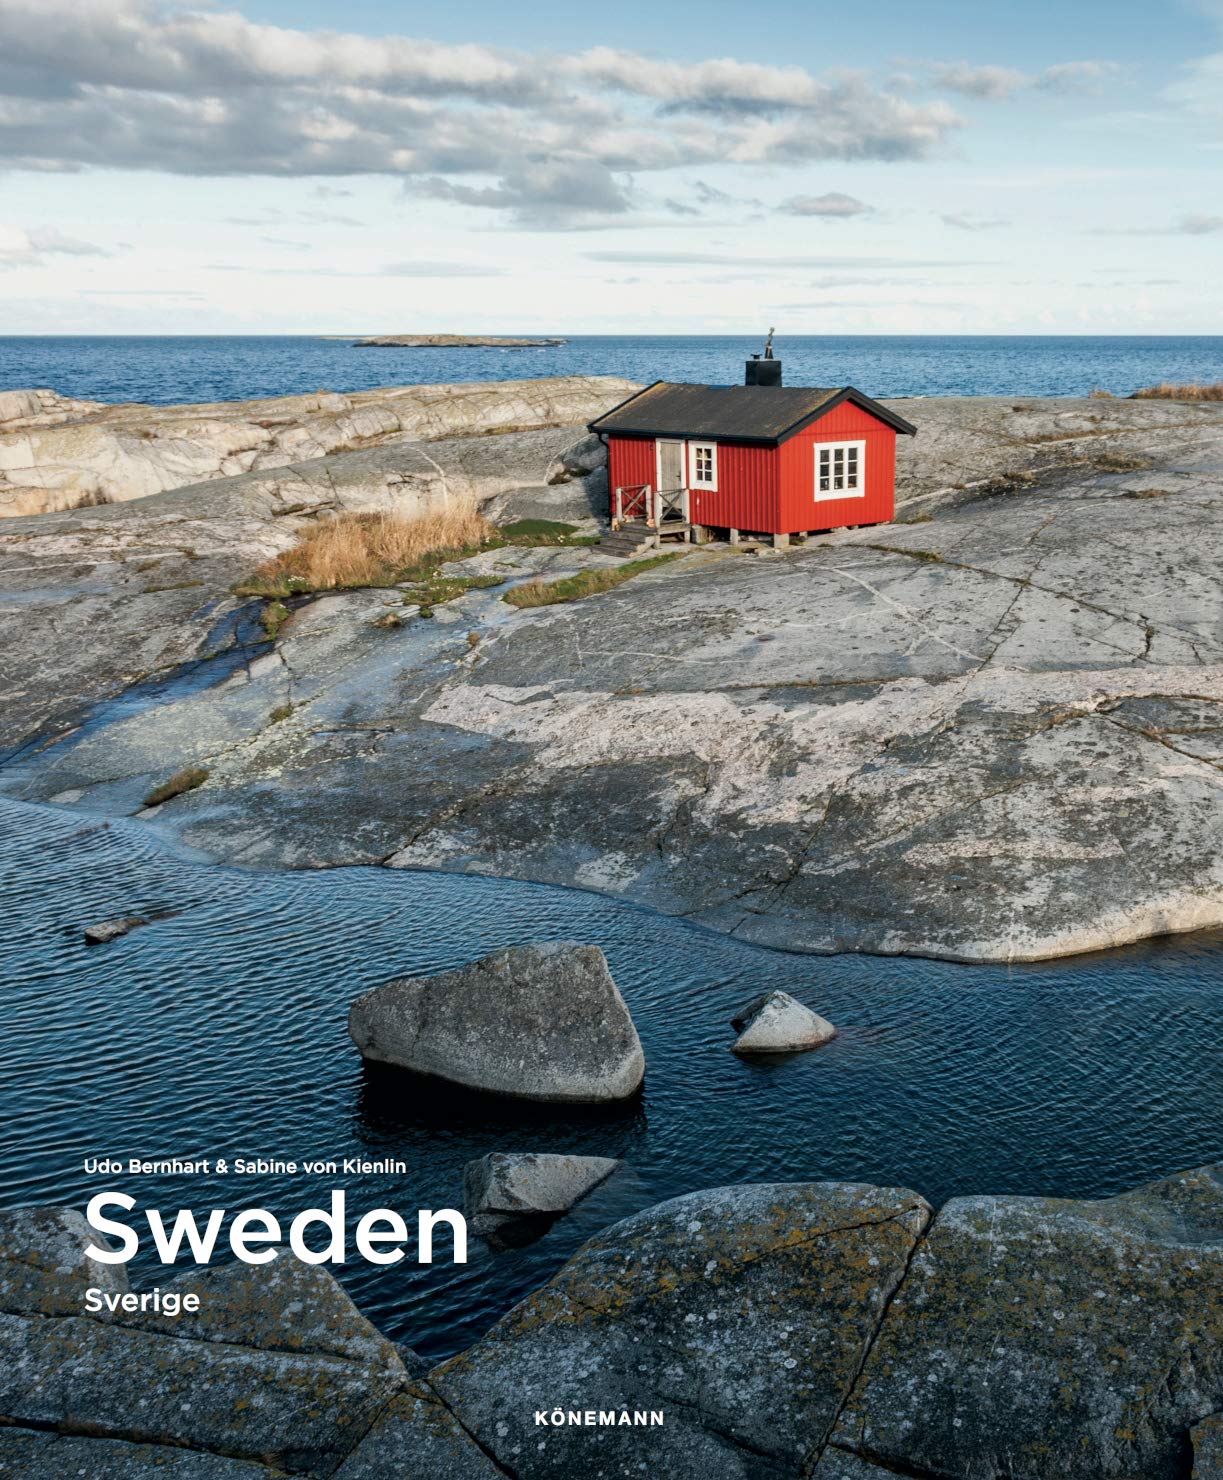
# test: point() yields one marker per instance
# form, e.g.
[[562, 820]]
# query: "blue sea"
[[169, 369]]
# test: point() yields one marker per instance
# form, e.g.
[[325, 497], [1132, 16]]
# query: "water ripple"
[[221, 1029]]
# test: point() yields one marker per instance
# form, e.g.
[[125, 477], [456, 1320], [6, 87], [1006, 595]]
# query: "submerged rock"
[[538, 1022], [108, 930], [507, 1185], [777, 1023]]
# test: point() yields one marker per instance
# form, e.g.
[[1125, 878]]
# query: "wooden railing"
[[653, 506], [635, 501], [670, 506]]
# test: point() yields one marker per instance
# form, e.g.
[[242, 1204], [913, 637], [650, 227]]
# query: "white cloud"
[[966, 221], [21, 247], [993, 83], [833, 205], [127, 84], [1194, 224]]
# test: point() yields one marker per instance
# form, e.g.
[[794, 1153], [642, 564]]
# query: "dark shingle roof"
[[745, 413]]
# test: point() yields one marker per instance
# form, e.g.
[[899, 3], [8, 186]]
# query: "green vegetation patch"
[[585, 583], [185, 780], [434, 591], [534, 532], [273, 617]]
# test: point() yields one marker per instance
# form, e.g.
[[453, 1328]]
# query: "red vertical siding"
[[746, 495], [799, 509], [747, 491], [630, 461], [771, 490]]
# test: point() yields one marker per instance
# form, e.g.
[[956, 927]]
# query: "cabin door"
[[672, 478], [671, 466]]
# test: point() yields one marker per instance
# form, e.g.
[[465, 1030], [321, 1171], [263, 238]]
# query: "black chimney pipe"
[[763, 369]]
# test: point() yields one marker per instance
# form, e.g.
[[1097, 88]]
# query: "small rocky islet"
[[1009, 752]]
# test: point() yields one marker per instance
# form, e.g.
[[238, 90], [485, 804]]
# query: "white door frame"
[[658, 446]]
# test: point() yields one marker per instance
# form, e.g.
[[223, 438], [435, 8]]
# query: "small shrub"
[[281, 712], [274, 615], [586, 583], [1099, 394], [1167, 391], [181, 781]]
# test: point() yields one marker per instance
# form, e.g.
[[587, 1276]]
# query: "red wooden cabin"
[[757, 458]]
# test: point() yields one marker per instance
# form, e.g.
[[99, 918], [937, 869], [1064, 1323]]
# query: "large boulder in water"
[[539, 1022], [777, 1023]]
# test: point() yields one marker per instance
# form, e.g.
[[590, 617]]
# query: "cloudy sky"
[[634, 167]]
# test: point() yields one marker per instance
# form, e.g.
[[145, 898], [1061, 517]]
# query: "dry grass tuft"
[[355, 550], [181, 781], [1167, 391], [1122, 462]]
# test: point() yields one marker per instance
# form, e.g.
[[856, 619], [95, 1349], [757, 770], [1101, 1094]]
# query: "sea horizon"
[[167, 369]]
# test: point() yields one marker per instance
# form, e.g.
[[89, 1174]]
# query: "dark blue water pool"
[[220, 1031]]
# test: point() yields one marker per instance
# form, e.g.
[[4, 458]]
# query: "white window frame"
[[693, 480], [839, 493]]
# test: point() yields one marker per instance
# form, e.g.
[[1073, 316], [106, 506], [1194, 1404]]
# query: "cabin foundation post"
[[781, 541], [733, 536]]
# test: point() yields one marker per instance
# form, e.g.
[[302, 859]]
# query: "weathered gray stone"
[[32, 1454], [277, 1366], [44, 1269], [583, 457], [776, 1023], [1038, 1337], [416, 1436], [742, 1313], [60, 454], [839, 1464], [540, 1022], [108, 930], [1207, 1440], [507, 1185], [966, 737]]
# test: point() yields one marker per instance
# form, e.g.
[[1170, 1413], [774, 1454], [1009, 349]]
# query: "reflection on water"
[[220, 1031]]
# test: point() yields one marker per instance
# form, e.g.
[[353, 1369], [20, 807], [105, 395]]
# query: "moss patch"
[[585, 583]]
